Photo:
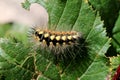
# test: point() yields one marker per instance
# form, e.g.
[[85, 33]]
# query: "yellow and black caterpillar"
[[62, 44]]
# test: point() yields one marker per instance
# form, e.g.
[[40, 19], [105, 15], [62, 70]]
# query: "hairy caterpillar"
[[62, 44]]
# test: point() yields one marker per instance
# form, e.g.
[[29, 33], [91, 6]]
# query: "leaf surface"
[[116, 34]]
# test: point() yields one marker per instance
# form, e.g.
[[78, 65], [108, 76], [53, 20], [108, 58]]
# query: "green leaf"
[[4, 28], [115, 62], [14, 32], [17, 62], [65, 15], [13, 58], [86, 69], [109, 11], [116, 35], [26, 5]]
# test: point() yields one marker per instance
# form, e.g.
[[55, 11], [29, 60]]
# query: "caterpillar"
[[63, 44]]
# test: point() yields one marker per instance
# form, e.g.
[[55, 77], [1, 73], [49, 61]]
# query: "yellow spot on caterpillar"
[[46, 35], [69, 37], [37, 38], [75, 36], [41, 32], [44, 42], [63, 38], [57, 44], [64, 43], [51, 43], [57, 38], [70, 42], [52, 37]]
